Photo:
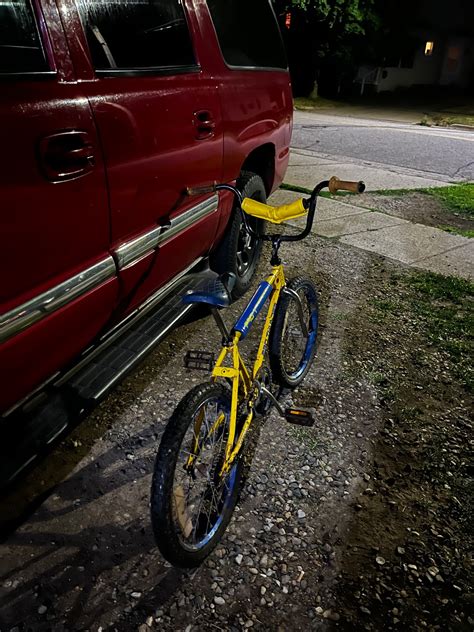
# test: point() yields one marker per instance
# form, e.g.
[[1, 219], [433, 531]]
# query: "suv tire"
[[239, 252]]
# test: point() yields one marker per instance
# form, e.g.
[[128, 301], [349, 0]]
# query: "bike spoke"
[[295, 340], [199, 492]]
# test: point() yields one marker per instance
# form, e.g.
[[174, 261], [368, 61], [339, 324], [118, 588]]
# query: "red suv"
[[110, 110]]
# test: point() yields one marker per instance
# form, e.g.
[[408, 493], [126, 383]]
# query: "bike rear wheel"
[[191, 505], [292, 345]]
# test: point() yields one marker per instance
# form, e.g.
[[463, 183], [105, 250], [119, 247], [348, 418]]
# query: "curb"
[[463, 126]]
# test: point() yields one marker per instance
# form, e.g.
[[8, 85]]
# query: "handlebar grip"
[[274, 214], [345, 185]]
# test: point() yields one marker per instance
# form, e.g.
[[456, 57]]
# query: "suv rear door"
[[57, 279], [254, 85], [159, 118]]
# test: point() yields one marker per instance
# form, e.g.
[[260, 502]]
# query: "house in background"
[[439, 53], [436, 61]]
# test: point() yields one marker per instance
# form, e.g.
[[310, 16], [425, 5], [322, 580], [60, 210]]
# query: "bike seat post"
[[221, 324]]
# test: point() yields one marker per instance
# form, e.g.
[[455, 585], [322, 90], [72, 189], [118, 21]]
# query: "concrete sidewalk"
[[380, 113], [307, 168], [412, 244]]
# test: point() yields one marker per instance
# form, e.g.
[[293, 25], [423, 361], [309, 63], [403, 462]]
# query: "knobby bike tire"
[[168, 533], [286, 317]]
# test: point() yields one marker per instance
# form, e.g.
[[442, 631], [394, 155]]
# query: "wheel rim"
[[199, 497], [296, 346], [246, 249]]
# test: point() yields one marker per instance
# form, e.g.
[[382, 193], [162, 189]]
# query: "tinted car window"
[[248, 33], [136, 34], [20, 48]]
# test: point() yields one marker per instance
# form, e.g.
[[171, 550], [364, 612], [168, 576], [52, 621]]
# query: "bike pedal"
[[202, 360], [299, 417]]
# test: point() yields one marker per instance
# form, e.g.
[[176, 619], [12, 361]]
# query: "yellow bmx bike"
[[198, 469]]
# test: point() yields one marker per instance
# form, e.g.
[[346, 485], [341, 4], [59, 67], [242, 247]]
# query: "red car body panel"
[[146, 138], [53, 342], [45, 226], [257, 107]]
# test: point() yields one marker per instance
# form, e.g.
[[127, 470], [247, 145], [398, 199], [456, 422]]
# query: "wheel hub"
[[245, 251]]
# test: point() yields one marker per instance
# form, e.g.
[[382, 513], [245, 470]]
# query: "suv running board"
[[26, 436]]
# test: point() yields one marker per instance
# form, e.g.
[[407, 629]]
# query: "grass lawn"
[[444, 120], [442, 308], [457, 231], [453, 115], [459, 197], [448, 208]]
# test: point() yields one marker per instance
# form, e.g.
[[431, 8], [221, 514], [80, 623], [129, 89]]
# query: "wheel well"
[[262, 162]]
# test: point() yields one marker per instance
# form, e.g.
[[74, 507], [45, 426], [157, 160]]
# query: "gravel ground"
[[339, 526]]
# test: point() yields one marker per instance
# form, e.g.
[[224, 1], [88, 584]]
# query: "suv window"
[[20, 47], [136, 34], [248, 33]]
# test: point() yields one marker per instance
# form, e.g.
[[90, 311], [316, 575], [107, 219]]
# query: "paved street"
[[435, 153]]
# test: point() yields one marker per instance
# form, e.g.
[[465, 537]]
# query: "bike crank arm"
[[296, 416], [274, 400]]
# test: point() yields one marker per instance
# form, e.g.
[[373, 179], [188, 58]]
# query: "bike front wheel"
[[294, 333], [191, 504]]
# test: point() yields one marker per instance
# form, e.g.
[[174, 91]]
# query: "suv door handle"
[[204, 124], [66, 155]]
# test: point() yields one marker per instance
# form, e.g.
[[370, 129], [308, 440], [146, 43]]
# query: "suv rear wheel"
[[238, 251]]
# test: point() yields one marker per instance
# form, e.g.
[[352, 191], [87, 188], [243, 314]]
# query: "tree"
[[327, 40]]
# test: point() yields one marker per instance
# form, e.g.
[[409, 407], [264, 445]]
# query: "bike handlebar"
[[279, 214], [274, 214]]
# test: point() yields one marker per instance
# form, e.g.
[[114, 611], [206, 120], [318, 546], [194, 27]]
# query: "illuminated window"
[[429, 48], [288, 20]]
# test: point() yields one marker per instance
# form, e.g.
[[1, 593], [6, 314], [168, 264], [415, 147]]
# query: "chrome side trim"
[[58, 379], [134, 249], [121, 327], [186, 219], [21, 317]]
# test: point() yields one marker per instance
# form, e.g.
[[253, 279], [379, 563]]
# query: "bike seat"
[[212, 291]]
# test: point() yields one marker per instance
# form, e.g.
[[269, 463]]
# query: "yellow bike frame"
[[230, 364], [242, 380]]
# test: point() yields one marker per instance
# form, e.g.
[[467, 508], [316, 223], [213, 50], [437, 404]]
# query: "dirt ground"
[[361, 522], [418, 207]]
